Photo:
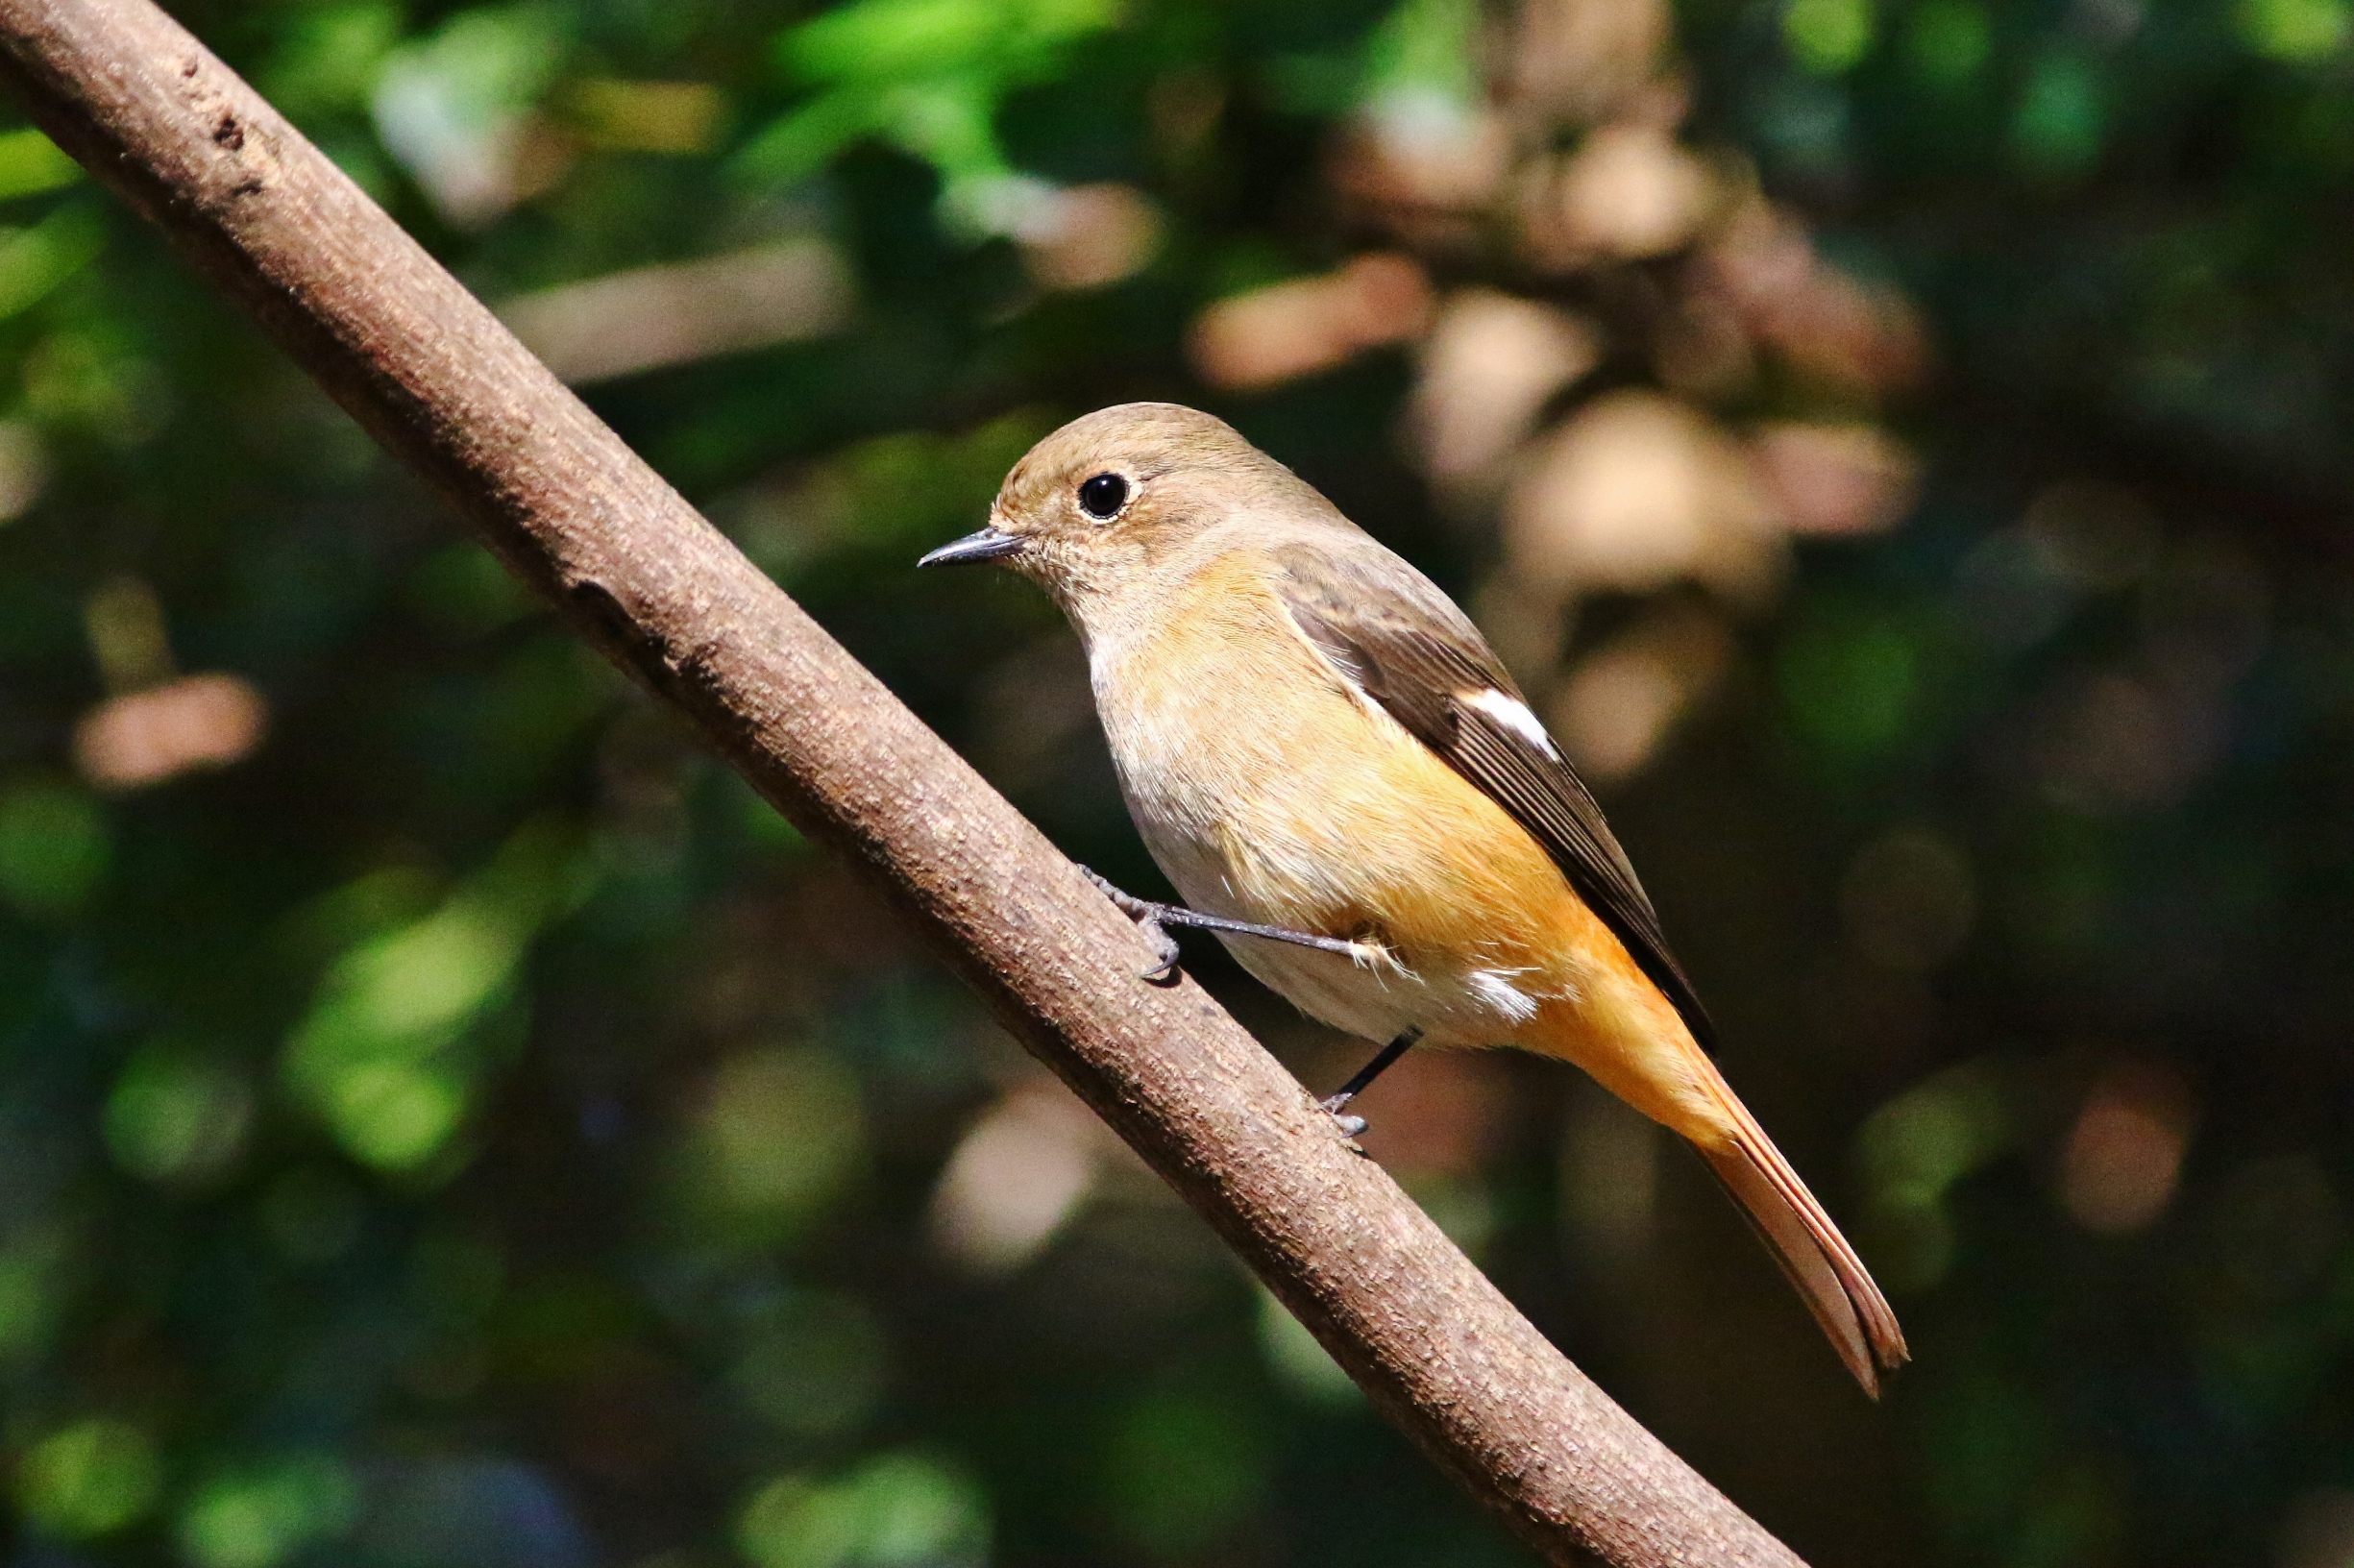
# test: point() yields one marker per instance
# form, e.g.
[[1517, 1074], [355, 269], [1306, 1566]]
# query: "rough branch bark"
[[444, 386]]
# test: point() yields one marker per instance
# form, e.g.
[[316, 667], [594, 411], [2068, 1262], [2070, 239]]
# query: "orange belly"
[[1323, 814]]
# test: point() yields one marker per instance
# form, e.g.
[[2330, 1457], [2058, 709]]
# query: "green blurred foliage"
[[405, 1019], [469, 1128], [928, 76], [261, 1515], [91, 1479], [895, 1511], [53, 848]]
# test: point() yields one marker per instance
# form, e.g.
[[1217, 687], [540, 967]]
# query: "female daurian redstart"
[[1333, 768]]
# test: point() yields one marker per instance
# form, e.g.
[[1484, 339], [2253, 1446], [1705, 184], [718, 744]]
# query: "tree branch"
[[428, 370]]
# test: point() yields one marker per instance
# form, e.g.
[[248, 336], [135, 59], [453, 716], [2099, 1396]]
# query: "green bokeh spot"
[[331, 56], [1851, 683], [1948, 43], [260, 1518], [399, 1030], [395, 1116], [1426, 49], [898, 1510], [1186, 1468], [782, 1135], [2057, 130], [31, 1293], [1828, 37], [33, 261], [31, 163], [925, 75], [2297, 30], [88, 1480], [173, 1116], [817, 1370], [54, 847], [481, 67]]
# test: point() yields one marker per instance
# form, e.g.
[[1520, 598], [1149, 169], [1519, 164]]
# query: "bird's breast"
[[1268, 790]]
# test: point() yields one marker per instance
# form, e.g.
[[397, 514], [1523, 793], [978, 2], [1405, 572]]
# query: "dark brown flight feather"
[[1390, 632]]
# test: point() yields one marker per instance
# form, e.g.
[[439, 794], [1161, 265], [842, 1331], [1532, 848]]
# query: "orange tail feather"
[[1831, 1280]]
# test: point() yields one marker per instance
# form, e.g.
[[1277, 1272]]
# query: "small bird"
[[1335, 771]]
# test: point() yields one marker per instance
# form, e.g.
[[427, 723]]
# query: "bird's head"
[[1128, 497]]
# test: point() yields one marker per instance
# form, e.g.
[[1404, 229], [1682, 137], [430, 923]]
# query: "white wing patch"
[[1513, 714], [1495, 989]]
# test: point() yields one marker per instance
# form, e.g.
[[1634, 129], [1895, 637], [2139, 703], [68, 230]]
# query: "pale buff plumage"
[[1326, 816], [1271, 787]]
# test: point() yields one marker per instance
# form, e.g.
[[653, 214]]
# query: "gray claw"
[[1147, 918], [1334, 1107], [1165, 944]]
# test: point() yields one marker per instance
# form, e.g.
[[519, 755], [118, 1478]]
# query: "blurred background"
[[446, 1121]]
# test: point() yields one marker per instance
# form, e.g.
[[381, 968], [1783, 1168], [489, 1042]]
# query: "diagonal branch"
[[450, 391]]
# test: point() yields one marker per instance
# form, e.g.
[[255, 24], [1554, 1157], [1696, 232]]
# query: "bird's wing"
[[1391, 634]]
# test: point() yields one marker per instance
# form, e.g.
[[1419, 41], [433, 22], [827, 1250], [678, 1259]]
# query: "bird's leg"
[[1153, 919], [1351, 1126], [1148, 917]]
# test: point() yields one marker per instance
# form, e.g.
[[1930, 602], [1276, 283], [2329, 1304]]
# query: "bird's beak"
[[989, 545]]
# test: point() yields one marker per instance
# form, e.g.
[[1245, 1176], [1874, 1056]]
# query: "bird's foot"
[[1149, 917], [1155, 920], [1334, 1106]]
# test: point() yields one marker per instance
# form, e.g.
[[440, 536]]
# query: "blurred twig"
[[441, 384]]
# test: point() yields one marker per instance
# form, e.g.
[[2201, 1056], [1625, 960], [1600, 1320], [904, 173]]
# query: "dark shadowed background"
[[446, 1121]]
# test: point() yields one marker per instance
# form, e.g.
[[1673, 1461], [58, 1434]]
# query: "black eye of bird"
[[1102, 496]]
